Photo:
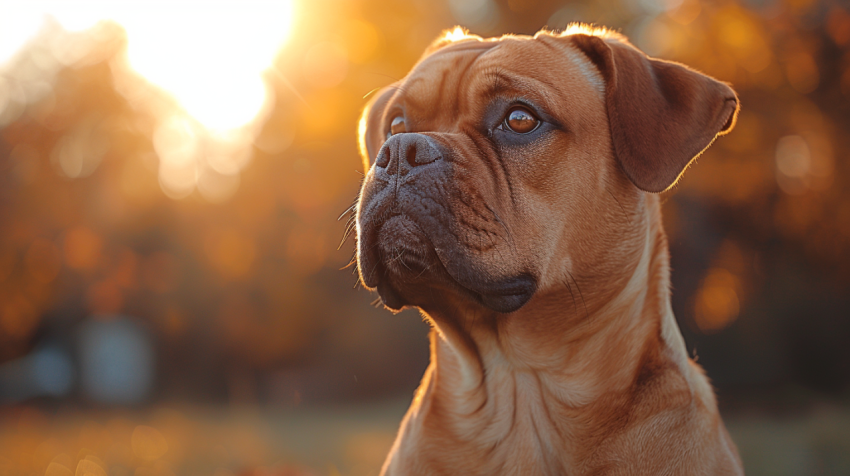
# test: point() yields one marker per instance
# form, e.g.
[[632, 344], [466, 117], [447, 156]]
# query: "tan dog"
[[508, 201]]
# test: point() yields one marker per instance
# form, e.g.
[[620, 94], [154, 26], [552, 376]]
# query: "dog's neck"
[[544, 359]]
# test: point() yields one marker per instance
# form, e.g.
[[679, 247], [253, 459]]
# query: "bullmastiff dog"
[[511, 196]]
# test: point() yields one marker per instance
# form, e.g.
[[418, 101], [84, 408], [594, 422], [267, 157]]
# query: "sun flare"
[[209, 56], [212, 60]]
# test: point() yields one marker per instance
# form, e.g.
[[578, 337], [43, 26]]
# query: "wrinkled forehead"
[[459, 78], [446, 72]]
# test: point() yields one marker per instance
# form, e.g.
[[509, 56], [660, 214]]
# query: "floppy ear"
[[661, 114]]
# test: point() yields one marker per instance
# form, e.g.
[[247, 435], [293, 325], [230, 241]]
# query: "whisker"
[[350, 224], [426, 268], [352, 261], [587, 314], [385, 75], [397, 88], [350, 209], [373, 91], [350, 227], [572, 296], [507, 231]]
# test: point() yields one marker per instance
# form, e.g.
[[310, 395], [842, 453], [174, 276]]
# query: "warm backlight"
[[208, 55]]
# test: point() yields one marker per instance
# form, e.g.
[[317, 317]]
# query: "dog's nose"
[[403, 152]]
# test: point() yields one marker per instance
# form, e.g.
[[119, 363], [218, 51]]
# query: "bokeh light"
[[717, 302]]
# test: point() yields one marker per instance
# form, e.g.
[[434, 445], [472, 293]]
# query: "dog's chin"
[[391, 299], [407, 271], [403, 261]]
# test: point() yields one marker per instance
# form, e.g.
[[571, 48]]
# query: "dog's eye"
[[521, 121], [396, 126]]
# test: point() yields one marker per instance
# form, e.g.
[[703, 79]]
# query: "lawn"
[[327, 441]]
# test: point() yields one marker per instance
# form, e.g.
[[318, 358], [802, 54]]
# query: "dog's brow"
[[500, 82]]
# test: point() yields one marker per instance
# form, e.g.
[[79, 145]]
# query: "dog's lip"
[[504, 296], [415, 242], [509, 295], [374, 277], [501, 295]]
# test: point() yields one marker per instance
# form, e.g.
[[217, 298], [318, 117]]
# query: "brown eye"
[[521, 121], [396, 126]]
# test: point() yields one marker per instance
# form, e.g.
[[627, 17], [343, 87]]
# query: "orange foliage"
[[122, 195]]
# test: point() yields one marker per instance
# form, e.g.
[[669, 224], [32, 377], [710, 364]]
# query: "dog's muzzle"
[[409, 229]]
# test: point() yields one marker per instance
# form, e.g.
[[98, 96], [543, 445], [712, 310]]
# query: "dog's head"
[[497, 168]]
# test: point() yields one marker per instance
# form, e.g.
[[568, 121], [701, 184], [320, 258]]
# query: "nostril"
[[404, 151], [426, 153], [410, 153], [419, 150]]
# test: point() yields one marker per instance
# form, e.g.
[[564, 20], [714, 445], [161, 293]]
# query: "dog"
[[512, 197]]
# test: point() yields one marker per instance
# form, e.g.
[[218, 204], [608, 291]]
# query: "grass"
[[332, 441]]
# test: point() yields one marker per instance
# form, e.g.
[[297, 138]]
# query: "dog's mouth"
[[403, 247], [398, 258]]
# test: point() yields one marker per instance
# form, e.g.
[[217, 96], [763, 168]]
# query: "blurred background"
[[173, 291]]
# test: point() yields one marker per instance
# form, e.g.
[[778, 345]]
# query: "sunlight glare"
[[19, 22], [457, 34], [211, 61], [209, 56]]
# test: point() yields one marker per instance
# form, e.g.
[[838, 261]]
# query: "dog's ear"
[[370, 131], [661, 114]]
